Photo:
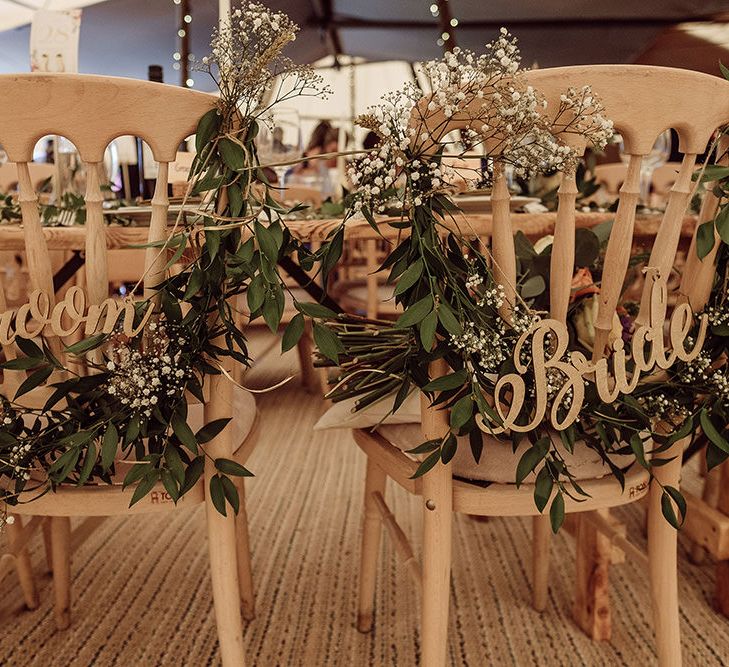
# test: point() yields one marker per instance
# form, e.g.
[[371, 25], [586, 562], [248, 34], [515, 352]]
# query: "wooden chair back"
[[642, 101], [91, 111]]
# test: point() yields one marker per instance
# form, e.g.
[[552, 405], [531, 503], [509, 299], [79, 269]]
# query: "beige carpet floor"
[[142, 594]]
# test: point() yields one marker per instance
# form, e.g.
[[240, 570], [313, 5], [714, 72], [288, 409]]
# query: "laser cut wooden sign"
[[37, 317], [549, 341]]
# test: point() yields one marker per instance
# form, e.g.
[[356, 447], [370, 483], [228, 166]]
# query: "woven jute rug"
[[142, 593]]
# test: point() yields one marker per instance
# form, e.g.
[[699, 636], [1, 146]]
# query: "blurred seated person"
[[324, 139]]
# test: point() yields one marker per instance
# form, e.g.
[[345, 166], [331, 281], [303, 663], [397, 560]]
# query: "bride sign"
[[547, 341]]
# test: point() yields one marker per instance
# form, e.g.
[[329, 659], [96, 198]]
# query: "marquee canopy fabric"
[[122, 37]]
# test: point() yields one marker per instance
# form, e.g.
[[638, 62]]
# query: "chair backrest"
[[642, 101], [90, 111]]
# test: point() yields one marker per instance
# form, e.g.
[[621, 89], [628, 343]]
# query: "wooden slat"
[[563, 249], [156, 258], [663, 254], [617, 255], [97, 273], [502, 241], [707, 526]]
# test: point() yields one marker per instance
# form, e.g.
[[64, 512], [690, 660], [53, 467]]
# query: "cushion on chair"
[[342, 414], [498, 460]]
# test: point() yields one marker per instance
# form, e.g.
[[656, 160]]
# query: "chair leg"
[[48, 544], [245, 574], [437, 539], [662, 556], [541, 540], [61, 557], [22, 563], [591, 604], [226, 593], [374, 483]]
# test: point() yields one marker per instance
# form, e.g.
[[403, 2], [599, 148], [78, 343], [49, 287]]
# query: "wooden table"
[[533, 225]]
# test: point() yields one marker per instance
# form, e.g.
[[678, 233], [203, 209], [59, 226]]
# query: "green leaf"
[[266, 242], [256, 293], [217, 494], [88, 465], [145, 485], [327, 342], [35, 379], [293, 332], [211, 430], [212, 242], [425, 447], [461, 412], [194, 283], [543, 488], [448, 450], [136, 472], [410, 277], [315, 310], [232, 468], [29, 348], [415, 313], [132, 432], [533, 287], [724, 70], [475, 440], [232, 153], [446, 382], [207, 127], [714, 172], [22, 364], [235, 200], [449, 320], [174, 464], [231, 493], [679, 500], [714, 456], [193, 472], [587, 247], [636, 444], [667, 509], [64, 464], [170, 484], [705, 239], [722, 224], [184, 432], [427, 329], [109, 446], [556, 512], [87, 344], [273, 308], [711, 431], [531, 458], [427, 464]]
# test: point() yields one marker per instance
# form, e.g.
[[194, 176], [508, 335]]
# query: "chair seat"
[[498, 460], [99, 499]]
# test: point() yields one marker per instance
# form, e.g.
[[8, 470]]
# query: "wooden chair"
[[91, 111], [643, 102]]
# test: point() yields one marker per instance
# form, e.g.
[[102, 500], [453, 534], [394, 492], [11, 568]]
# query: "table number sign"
[[54, 39]]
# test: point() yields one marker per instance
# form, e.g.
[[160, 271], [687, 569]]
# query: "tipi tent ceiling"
[[122, 37]]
